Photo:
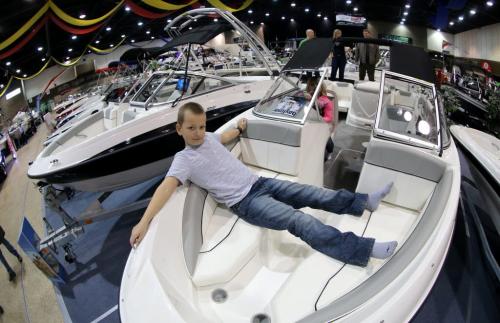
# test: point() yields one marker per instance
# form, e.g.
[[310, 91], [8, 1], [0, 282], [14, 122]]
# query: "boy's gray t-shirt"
[[213, 167]]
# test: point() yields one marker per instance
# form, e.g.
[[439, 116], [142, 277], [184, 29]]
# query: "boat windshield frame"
[[405, 139], [284, 77], [172, 74]]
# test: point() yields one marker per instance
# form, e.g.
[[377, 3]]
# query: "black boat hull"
[[140, 158]]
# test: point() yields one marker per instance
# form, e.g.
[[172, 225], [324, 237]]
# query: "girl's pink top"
[[326, 105]]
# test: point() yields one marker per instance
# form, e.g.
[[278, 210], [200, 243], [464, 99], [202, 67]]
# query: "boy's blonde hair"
[[190, 106]]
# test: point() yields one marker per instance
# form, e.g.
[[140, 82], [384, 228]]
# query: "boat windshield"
[[161, 89], [149, 88], [285, 100], [408, 112]]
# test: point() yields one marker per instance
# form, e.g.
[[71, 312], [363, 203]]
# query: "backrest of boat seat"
[[365, 100], [272, 145], [192, 222], [413, 171], [110, 114], [343, 90]]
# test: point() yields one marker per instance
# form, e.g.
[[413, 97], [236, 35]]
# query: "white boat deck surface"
[[295, 275], [90, 131]]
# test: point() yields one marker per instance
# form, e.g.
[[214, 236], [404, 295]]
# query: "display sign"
[[43, 259], [348, 20], [396, 38], [289, 106]]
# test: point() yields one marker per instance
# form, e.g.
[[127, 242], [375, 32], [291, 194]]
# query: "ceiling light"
[[111, 45], [325, 18], [250, 11], [404, 19], [89, 51], [355, 9], [489, 3], [1, 86], [319, 14], [267, 14], [348, 2], [152, 37], [140, 23], [251, 22], [190, 28], [451, 23], [13, 93], [97, 41], [108, 28], [292, 4], [127, 8], [43, 59], [262, 23], [8, 63], [24, 75], [169, 21], [82, 16], [123, 36], [67, 58], [132, 41], [292, 20], [148, 32], [461, 18], [18, 71], [472, 12], [306, 9], [70, 50], [407, 6], [73, 37], [40, 48], [402, 22], [438, 30], [282, 17], [215, 19], [405, 13]]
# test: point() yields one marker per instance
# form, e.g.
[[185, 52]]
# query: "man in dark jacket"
[[367, 55], [12, 250]]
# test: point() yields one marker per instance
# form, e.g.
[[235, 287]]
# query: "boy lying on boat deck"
[[265, 202]]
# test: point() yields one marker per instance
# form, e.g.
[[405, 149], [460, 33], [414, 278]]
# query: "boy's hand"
[[138, 233], [242, 123]]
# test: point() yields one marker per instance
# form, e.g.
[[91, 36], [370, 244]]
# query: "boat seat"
[[343, 92], [128, 115], [415, 174], [110, 116], [364, 104], [319, 280], [227, 242], [272, 145]]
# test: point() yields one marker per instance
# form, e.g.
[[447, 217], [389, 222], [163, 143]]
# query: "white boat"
[[200, 263], [484, 147]]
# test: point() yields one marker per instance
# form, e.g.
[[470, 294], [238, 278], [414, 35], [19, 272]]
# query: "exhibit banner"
[[348, 20], [396, 38]]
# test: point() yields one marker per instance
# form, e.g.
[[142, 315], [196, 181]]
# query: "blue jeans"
[[274, 204], [12, 250]]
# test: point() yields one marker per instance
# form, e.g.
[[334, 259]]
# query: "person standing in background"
[[367, 55], [339, 59], [309, 35], [12, 250]]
